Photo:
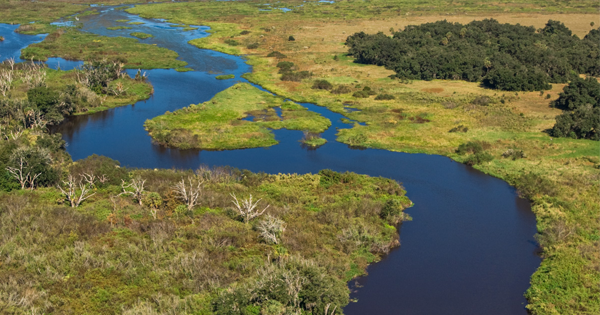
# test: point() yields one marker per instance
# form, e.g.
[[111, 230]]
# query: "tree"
[[247, 209], [136, 189], [190, 191], [77, 190], [581, 119], [271, 229]]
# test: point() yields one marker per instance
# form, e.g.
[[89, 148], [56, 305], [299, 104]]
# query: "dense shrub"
[[469, 147], [581, 120], [482, 100], [291, 38], [322, 85], [285, 66], [245, 32], [477, 150], [459, 128], [232, 42], [276, 54], [296, 76], [479, 158], [341, 89], [502, 56], [252, 46], [384, 97]]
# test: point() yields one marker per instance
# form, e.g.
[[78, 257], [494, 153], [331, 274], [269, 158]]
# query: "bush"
[[252, 46], [341, 89], [479, 158], [291, 38], [245, 32], [459, 128], [514, 154], [530, 185], [482, 100], [322, 85], [285, 66], [392, 211], [295, 76], [360, 94], [276, 54], [469, 147], [384, 97], [232, 42]]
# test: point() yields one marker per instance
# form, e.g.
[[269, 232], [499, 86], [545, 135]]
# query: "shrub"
[[469, 147], [360, 94], [285, 66], [459, 128], [514, 154], [252, 46], [581, 120], [295, 76], [530, 185], [392, 211], [291, 38], [384, 97], [245, 32], [232, 42], [482, 100], [479, 158], [341, 89], [322, 85], [276, 54]]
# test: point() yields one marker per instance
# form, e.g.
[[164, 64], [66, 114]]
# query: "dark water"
[[469, 250]]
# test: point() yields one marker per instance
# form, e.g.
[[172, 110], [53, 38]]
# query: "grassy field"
[[218, 124], [71, 44], [114, 254], [560, 176]]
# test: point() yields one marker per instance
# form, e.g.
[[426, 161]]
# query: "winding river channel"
[[469, 249]]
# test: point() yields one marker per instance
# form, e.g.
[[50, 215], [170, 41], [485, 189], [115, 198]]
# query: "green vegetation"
[[50, 95], [225, 77], [141, 35], [122, 253], [135, 23], [313, 140], [581, 97], [217, 124], [74, 45], [116, 28], [35, 28], [501, 56]]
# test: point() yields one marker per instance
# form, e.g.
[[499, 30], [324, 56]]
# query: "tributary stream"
[[469, 249]]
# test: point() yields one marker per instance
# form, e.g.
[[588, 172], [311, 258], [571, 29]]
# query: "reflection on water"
[[469, 250]]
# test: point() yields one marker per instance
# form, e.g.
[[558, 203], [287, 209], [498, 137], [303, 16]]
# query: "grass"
[[225, 77], [141, 35], [218, 125], [423, 113], [116, 28], [71, 44], [114, 256], [35, 28]]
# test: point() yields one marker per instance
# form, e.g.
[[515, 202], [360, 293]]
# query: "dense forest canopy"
[[581, 120], [501, 56]]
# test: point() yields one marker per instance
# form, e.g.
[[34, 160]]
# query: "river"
[[469, 249]]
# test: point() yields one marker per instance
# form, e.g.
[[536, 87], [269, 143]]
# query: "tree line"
[[500, 56]]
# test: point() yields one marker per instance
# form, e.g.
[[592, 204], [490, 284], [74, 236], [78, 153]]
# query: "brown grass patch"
[[433, 90]]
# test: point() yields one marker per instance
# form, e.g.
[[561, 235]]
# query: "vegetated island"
[[141, 35], [225, 76], [508, 134], [218, 124], [43, 96], [75, 45]]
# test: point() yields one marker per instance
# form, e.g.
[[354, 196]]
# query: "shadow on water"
[[469, 250]]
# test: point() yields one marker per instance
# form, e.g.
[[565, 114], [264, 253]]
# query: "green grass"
[[35, 28], [116, 28], [141, 35], [225, 77], [106, 258], [135, 23], [74, 45], [217, 123]]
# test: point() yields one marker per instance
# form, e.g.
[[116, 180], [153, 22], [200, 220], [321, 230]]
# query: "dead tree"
[[137, 184], [76, 191], [247, 209], [271, 229], [190, 191], [19, 173]]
